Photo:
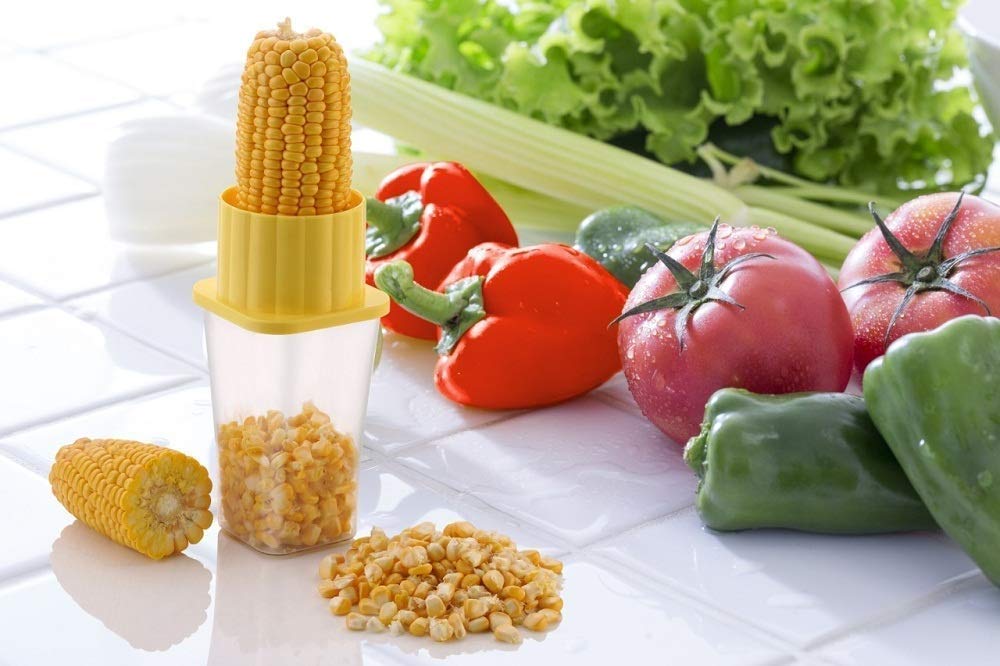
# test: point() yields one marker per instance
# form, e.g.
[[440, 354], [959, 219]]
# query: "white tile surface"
[[161, 62], [180, 418], [55, 364], [79, 22], [49, 89], [404, 406], [582, 470], [394, 500], [647, 627], [79, 144], [962, 629], [159, 311], [13, 299], [28, 183], [66, 250], [799, 586], [35, 529]]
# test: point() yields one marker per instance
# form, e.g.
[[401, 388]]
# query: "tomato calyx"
[[928, 271], [695, 290]]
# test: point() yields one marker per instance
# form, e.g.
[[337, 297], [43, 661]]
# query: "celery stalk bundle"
[[581, 172]]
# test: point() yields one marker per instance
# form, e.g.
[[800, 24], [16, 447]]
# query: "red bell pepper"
[[429, 215], [519, 327]]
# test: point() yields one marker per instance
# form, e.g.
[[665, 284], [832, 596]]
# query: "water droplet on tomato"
[[725, 231], [630, 353], [739, 244], [985, 478], [760, 235], [683, 241], [772, 231]]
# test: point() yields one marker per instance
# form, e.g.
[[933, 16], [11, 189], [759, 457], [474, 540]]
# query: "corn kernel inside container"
[[288, 483], [293, 137], [443, 584]]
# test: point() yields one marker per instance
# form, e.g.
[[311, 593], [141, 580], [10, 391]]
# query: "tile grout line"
[[70, 114], [697, 603], [429, 482], [429, 439], [114, 327], [71, 413], [666, 517], [17, 150], [899, 612], [51, 203]]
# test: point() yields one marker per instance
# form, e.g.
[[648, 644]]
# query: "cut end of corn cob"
[[293, 143], [150, 498]]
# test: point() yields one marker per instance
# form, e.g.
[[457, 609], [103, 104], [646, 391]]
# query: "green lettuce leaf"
[[856, 92]]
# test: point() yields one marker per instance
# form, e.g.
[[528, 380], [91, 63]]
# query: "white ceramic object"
[[979, 21], [163, 177]]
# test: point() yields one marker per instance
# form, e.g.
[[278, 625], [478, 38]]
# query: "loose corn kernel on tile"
[[443, 584], [150, 498], [288, 483], [294, 121]]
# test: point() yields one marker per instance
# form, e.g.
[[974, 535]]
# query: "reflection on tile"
[[179, 418], [50, 89], [80, 144], [65, 250], [583, 470], [13, 299], [962, 629], [81, 633], [28, 183], [405, 407], [393, 501], [158, 311], [267, 607], [797, 585], [30, 532], [267, 611], [195, 51], [165, 603], [607, 620], [62, 365]]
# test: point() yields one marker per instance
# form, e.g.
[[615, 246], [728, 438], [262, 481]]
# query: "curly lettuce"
[[854, 92]]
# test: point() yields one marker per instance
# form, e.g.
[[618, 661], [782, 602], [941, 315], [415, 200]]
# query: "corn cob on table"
[[150, 498]]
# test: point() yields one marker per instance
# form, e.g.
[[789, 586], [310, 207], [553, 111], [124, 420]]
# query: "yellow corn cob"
[[293, 136], [152, 499]]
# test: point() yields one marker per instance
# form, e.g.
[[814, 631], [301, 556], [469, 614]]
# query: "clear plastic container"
[[289, 411]]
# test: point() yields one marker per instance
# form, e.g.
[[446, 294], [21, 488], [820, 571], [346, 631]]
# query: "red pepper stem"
[[455, 310]]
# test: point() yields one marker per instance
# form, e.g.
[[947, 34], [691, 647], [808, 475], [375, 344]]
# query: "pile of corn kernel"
[[443, 584], [287, 483]]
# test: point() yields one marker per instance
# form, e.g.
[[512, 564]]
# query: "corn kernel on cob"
[[152, 499], [293, 144]]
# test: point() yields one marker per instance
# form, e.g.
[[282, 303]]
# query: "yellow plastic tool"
[[281, 274]]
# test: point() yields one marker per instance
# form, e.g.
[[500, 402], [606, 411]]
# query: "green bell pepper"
[[803, 461], [935, 396], [616, 237]]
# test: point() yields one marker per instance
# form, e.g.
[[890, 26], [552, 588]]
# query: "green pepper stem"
[[391, 224], [696, 451], [455, 311]]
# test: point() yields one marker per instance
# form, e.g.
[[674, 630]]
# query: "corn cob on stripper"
[[290, 325]]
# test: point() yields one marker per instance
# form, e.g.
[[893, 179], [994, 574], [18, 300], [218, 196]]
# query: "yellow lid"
[[281, 274]]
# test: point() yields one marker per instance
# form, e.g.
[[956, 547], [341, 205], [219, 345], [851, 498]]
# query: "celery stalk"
[[564, 165], [527, 209]]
